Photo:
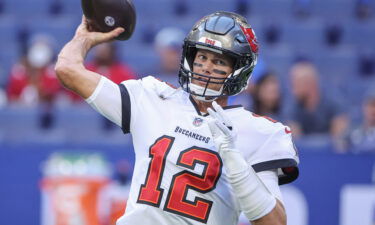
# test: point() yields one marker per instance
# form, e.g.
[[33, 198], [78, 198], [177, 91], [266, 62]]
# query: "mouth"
[[201, 81]]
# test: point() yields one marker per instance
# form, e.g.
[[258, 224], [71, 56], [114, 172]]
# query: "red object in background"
[[117, 210], [117, 72], [117, 206], [17, 82], [112, 202], [44, 80], [70, 200], [48, 86]]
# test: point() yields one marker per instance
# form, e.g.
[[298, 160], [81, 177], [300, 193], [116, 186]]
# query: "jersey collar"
[[206, 114]]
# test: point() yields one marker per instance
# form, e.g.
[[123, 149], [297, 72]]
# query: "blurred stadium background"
[[336, 186]]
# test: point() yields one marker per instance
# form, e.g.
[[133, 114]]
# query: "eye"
[[202, 57], [220, 62]]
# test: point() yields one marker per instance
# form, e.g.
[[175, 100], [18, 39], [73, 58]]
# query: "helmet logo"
[[251, 38], [210, 41]]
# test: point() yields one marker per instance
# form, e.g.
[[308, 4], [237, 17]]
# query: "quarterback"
[[197, 160]]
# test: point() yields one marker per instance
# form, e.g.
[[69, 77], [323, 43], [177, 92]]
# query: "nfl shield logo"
[[197, 121]]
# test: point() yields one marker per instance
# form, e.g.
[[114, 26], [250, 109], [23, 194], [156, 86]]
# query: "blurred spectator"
[[32, 80], [333, 34], [267, 97], [302, 8], [168, 45], [363, 9], [113, 198], [106, 62], [362, 138], [312, 112]]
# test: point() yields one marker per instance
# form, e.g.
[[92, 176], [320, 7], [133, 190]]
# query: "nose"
[[207, 68]]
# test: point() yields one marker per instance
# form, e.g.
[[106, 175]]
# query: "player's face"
[[211, 64]]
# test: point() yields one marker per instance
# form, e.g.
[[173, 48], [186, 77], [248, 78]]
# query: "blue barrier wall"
[[322, 176]]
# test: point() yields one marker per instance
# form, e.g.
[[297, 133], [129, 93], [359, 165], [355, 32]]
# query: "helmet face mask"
[[224, 33]]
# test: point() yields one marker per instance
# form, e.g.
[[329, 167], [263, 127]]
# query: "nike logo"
[[288, 130]]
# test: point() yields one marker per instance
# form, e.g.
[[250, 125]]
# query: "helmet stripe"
[[251, 38]]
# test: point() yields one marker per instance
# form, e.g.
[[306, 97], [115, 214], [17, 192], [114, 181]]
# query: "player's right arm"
[[70, 68]]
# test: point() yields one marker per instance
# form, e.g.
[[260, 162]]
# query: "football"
[[106, 15]]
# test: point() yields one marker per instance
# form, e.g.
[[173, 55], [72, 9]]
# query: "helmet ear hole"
[[240, 39]]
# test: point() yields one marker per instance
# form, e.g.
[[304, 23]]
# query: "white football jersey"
[[179, 176]]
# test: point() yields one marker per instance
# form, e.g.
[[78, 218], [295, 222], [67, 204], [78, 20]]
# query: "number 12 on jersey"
[[151, 193]]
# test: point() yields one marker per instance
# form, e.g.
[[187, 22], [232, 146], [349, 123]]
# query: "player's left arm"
[[276, 216], [258, 204], [271, 180]]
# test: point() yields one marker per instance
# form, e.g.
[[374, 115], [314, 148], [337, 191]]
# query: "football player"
[[197, 160]]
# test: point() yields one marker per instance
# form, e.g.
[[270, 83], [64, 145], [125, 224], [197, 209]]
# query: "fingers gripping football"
[[94, 38]]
